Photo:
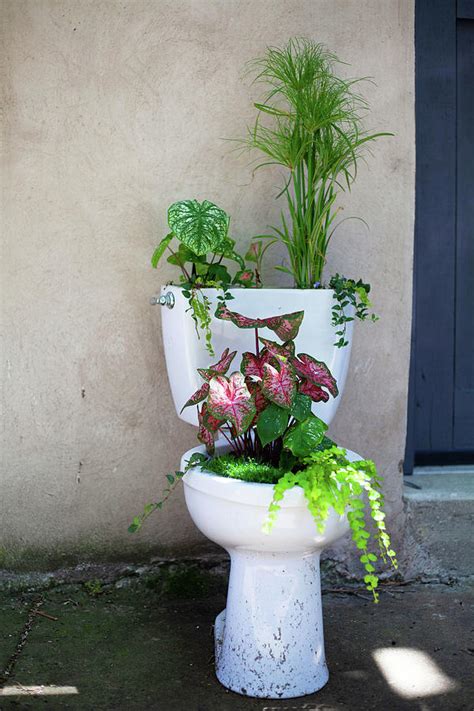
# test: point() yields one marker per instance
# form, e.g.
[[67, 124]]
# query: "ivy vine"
[[349, 292]]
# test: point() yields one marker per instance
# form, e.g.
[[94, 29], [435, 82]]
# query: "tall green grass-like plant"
[[310, 121]]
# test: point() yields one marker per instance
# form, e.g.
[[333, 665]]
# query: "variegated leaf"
[[225, 314], [260, 400], [284, 350], [198, 396], [315, 371], [230, 400], [286, 327], [279, 384], [316, 393], [252, 366], [219, 368], [205, 435], [202, 226]]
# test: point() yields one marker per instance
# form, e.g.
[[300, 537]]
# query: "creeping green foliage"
[[348, 292], [173, 480], [200, 308], [331, 482]]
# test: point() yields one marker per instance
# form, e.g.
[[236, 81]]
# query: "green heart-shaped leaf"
[[303, 438], [271, 423], [200, 226]]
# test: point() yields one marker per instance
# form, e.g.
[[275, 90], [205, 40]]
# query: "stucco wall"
[[112, 111]]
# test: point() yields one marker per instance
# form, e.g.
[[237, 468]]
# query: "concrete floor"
[[147, 644]]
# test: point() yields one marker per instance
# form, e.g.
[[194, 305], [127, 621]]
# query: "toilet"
[[269, 641], [185, 352]]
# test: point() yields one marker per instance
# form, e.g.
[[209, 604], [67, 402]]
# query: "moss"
[[244, 468], [249, 469]]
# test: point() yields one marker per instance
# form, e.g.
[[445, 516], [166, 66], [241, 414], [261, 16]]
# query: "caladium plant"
[[264, 409], [264, 412]]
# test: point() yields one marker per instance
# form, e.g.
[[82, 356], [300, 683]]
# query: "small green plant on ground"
[[264, 412], [94, 588], [204, 248]]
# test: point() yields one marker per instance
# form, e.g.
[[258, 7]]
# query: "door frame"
[[433, 323]]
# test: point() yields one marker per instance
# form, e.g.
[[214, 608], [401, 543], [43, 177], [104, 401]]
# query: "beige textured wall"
[[112, 111]]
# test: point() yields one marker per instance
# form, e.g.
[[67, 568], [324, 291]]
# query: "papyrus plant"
[[310, 121]]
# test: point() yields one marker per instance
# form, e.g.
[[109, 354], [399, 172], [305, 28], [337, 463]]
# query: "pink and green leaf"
[[230, 400], [286, 327], [205, 434], [279, 384], [198, 396], [244, 277], [261, 402], [284, 350], [219, 368], [252, 366], [315, 371], [316, 393]]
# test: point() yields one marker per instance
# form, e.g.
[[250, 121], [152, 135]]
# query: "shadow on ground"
[[143, 644]]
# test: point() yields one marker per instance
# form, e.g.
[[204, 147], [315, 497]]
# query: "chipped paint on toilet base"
[[269, 640]]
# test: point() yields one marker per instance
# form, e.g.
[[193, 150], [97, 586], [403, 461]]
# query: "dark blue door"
[[463, 420], [441, 399]]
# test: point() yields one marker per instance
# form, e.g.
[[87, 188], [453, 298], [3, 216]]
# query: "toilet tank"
[[185, 352]]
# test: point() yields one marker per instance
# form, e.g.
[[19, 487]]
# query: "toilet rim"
[[243, 492]]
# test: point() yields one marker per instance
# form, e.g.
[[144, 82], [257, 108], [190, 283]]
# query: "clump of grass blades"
[[310, 121]]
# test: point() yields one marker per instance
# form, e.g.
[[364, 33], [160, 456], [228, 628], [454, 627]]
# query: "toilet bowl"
[[269, 640], [185, 352]]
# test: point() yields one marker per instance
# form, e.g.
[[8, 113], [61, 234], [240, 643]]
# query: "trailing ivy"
[[348, 292], [173, 480], [330, 481]]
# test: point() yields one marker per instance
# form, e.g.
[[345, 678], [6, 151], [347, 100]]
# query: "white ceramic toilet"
[[269, 640], [185, 353]]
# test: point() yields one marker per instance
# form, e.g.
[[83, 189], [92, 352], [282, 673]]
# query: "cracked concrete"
[[145, 642]]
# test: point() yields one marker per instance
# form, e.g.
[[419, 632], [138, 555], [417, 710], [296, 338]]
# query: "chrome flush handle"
[[165, 300]]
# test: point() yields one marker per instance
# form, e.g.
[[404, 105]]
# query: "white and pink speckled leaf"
[[230, 400], [206, 434], [252, 366], [279, 384]]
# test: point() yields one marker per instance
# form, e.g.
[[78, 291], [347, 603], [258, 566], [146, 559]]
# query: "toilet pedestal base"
[[269, 639]]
